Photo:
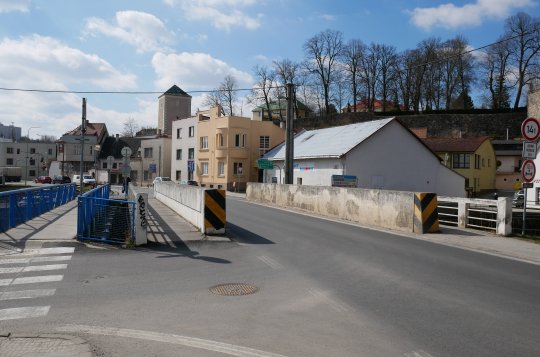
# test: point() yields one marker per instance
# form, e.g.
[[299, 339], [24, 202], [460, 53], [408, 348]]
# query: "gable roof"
[[455, 144], [113, 147], [96, 129], [331, 142], [175, 90]]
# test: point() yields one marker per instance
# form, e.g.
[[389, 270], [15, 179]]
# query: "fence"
[[103, 219], [490, 215], [19, 206]]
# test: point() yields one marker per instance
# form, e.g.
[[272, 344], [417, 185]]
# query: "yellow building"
[[228, 148], [473, 158]]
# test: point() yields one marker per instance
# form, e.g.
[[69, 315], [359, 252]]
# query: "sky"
[[148, 46]]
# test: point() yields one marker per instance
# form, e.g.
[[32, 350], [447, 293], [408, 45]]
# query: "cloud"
[[39, 62], [194, 71], [10, 5], [328, 17], [143, 30], [473, 14], [222, 14]]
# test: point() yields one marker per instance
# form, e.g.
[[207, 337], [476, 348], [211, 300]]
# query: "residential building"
[[278, 110], [173, 104], [378, 106], [69, 148], [34, 157], [155, 159], [472, 157], [110, 165], [508, 155], [228, 148], [379, 154], [9, 133], [183, 145]]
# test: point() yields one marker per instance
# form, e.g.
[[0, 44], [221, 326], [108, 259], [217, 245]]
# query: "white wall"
[[185, 200], [184, 143]]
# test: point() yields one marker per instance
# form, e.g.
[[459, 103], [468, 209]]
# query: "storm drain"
[[234, 289]]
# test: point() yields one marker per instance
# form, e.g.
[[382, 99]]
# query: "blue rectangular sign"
[[152, 168], [191, 165]]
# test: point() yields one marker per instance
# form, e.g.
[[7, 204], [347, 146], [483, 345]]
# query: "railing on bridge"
[[105, 220], [19, 206]]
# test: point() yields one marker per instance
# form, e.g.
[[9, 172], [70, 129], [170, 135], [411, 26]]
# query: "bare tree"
[[495, 72], [322, 52], [387, 61], [286, 72], [130, 128], [525, 46], [264, 87], [224, 96], [352, 58], [214, 99]]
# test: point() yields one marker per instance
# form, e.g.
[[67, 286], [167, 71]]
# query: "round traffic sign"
[[528, 170], [126, 151], [530, 129]]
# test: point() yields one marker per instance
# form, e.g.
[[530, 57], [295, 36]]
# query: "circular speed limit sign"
[[530, 129], [528, 171]]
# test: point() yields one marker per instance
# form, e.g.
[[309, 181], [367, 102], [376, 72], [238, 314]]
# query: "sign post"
[[264, 164], [528, 171], [530, 130]]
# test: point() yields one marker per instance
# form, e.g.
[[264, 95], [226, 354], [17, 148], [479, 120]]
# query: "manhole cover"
[[234, 289]]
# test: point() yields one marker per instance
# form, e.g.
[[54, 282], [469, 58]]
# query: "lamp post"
[[97, 149], [27, 157]]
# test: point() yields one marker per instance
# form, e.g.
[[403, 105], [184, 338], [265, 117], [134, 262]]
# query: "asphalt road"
[[324, 289]]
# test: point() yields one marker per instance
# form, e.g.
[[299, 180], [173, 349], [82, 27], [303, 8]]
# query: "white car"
[[87, 180], [161, 179]]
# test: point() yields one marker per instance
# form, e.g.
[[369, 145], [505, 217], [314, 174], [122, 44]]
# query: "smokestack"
[[117, 137]]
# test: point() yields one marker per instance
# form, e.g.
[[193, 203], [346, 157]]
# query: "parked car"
[[519, 199], [161, 179], [87, 180], [61, 179], [192, 183], [43, 179]]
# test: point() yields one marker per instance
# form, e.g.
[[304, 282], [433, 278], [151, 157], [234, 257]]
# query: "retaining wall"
[[185, 200], [380, 208]]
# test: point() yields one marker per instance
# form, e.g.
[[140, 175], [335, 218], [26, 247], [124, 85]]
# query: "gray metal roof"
[[330, 142]]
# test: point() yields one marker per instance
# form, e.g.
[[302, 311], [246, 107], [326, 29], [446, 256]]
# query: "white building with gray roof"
[[381, 154]]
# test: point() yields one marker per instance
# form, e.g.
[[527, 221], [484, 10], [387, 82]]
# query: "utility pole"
[[289, 136], [83, 131]]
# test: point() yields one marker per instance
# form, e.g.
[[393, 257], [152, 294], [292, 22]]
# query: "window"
[[178, 131], [178, 154], [32, 162], [145, 175], [240, 140], [148, 153], [476, 161], [204, 142], [483, 162], [32, 150], [238, 169], [49, 151], [191, 131], [191, 154], [221, 168], [461, 161], [9, 161], [190, 175], [115, 165], [104, 165], [219, 140], [18, 151], [264, 145], [31, 172], [178, 175], [204, 168], [9, 150]]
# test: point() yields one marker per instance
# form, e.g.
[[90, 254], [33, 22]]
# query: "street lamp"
[[27, 142]]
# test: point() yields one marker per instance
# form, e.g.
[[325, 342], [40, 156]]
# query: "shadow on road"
[[241, 235]]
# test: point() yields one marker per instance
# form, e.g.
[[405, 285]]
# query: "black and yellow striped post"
[[214, 211], [426, 217]]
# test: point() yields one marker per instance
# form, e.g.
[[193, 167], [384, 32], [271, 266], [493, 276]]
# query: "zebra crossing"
[[27, 276]]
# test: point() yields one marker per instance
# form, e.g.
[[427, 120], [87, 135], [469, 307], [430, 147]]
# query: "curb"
[[44, 345]]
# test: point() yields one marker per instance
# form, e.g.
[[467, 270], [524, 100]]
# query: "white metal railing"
[[492, 215]]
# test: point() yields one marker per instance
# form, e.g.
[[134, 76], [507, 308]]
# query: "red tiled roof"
[[455, 144], [91, 129]]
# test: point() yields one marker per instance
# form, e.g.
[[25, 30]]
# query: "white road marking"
[[33, 268], [23, 312], [325, 296], [37, 279], [59, 258], [209, 345], [46, 251], [5, 282], [271, 262], [417, 354], [26, 294]]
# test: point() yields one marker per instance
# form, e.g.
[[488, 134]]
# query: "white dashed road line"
[[23, 312], [26, 294]]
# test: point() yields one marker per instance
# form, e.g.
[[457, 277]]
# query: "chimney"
[[117, 137]]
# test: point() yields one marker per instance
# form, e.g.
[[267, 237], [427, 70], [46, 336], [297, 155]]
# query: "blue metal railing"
[[106, 220], [19, 206]]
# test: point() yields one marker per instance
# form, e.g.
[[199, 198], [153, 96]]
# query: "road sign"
[[126, 151], [529, 150], [530, 129], [344, 181], [152, 168], [527, 185], [126, 170], [528, 170], [191, 165], [264, 164]]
